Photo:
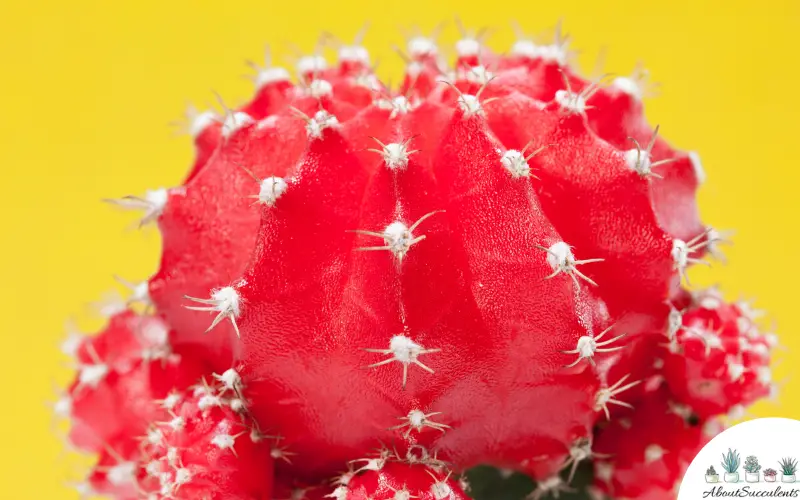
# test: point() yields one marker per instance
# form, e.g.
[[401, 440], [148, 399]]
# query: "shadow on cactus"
[[365, 292]]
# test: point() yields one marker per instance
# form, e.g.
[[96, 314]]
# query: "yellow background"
[[87, 89]]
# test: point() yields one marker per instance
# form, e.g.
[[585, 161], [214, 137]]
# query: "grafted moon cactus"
[[365, 291]]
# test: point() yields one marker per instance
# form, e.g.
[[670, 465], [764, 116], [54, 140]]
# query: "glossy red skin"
[[617, 118], [460, 289], [640, 361], [417, 480], [602, 207], [270, 99], [439, 306], [117, 411], [205, 143], [474, 288], [201, 254]]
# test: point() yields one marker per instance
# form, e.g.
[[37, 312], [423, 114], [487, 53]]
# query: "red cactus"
[[477, 268], [718, 361], [122, 374], [646, 453], [207, 449]]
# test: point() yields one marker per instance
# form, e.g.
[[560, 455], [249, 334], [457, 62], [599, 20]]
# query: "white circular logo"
[[758, 458]]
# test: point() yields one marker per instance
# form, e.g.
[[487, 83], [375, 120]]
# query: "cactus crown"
[[731, 461], [788, 466], [711, 471], [751, 464]]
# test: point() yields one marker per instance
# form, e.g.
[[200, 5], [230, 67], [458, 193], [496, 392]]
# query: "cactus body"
[[483, 271]]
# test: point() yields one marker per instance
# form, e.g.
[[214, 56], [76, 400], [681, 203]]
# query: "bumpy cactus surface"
[[366, 291]]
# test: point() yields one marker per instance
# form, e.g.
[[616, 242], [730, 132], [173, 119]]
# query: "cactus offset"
[[654, 443], [718, 361], [208, 449], [364, 291]]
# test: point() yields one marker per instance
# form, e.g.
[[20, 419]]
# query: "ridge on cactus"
[[366, 291]]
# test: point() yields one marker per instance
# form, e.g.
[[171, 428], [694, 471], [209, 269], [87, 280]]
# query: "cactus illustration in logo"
[[730, 464], [770, 475], [788, 469], [711, 475], [752, 469]]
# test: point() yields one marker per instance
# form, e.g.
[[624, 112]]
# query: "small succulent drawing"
[[711, 471], [731, 461], [751, 465], [770, 472], [788, 466]]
